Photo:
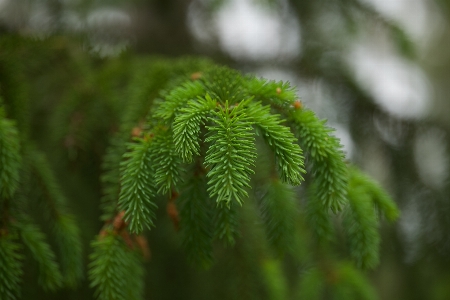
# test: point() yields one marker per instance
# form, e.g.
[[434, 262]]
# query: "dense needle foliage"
[[235, 159]]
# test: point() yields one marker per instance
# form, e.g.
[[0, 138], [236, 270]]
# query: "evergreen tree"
[[129, 175], [225, 152]]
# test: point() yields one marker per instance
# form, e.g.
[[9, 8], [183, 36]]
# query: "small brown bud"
[[3, 232], [297, 104], [196, 75], [148, 136], [103, 233], [118, 222], [127, 239], [172, 211], [136, 131], [69, 141], [142, 244]]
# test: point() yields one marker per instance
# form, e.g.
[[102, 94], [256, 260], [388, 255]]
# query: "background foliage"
[[51, 66]]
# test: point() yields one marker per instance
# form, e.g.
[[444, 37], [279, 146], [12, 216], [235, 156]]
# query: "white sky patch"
[[72, 21], [41, 21], [197, 22], [108, 30], [277, 74], [13, 13], [108, 18], [3, 3], [413, 15], [390, 129], [432, 161], [250, 31], [410, 226], [346, 141], [398, 86]]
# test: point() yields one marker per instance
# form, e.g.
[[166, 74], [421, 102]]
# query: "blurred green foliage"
[[68, 111]]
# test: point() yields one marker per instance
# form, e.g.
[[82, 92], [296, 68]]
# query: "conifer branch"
[[278, 94], [361, 224], [382, 201], [186, 127], [341, 280], [224, 84], [318, 216], [54, 200], [148, 81], [230, 155], [326, 157], [289, 158], [68, 242], [279, 212], [352, 284], [10, 266], [111, 177], [248, 257], [137, 186], [115, 271], [10, 160], [65, 229], [177, 98], [196, 221], [277, 286], [312, 285], [50, 277], [226, 223], [13, 86], [166, 162], [360, 219]]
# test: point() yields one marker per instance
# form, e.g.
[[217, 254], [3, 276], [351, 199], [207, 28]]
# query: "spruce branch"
[[382, 201], [166, 162], [341, 280], [145, 84], [278, 94], [115, 271], [70, 249], [226, 223], [10, 159], [137, 186], [360, 218], [288, 155], [33, 238], [229, 108], [177, 98], [54, 200], [277, 285], [10, 266], [279, 212], [351, 284], [64, 227], [198, 129], [196, 221], [186, 127], [111, 177], [224, 84], [326, 157], [312, 285], [230, 155], [318, 216], [360, 224], [13, 85]]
